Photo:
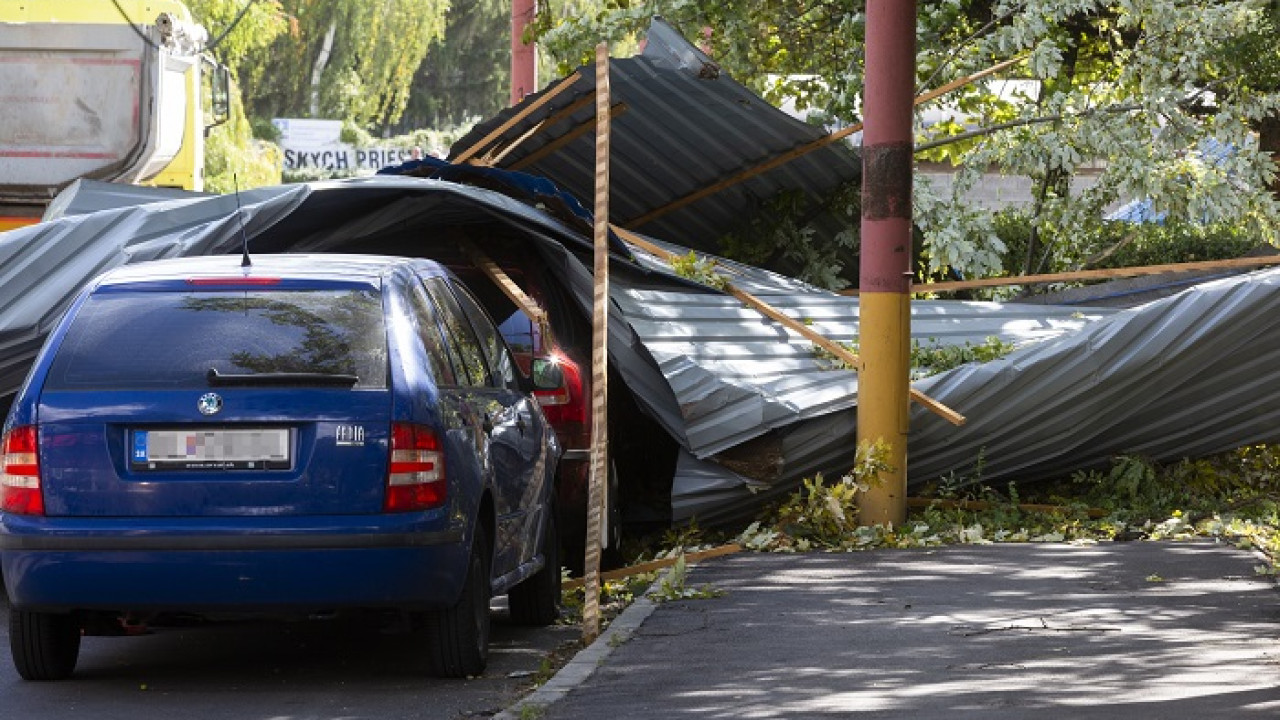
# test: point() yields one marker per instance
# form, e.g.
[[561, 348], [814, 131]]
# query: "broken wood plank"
[[546, 123], [553, 146], [966, 80], [1099, 274], [547, 97], [769, 311], [937, 408], [505, 284], [655, 565], [835, 348], [495, 156]]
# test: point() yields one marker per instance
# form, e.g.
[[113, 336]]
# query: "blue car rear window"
[[123, 340]]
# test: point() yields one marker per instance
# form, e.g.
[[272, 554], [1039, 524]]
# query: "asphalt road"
[[1141, 631], [320, 670]]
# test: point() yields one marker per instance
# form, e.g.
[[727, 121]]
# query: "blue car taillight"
[[415, 478], [20, 473]]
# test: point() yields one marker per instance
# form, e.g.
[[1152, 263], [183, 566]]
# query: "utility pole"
[[885, 275], [524, 61]]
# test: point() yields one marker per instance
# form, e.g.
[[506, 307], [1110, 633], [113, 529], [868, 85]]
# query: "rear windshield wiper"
[[217, 379]]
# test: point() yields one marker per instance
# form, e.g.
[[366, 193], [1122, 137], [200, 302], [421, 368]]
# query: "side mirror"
[[547, 375], [219, 92]]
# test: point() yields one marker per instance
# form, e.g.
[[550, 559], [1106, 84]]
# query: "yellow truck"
[[111, 91]]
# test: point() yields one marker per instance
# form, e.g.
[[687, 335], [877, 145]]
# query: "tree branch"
[[991, 129], [955, 52]]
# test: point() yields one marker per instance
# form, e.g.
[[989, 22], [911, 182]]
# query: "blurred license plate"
[[249, 449]]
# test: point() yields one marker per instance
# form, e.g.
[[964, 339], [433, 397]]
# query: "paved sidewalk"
[[1114, 630]]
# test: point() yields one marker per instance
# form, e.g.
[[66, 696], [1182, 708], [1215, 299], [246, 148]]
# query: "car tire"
[[45, 646], [460, 634], [536, 600]]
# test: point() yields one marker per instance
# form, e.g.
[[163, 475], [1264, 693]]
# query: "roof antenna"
[[244, 237]]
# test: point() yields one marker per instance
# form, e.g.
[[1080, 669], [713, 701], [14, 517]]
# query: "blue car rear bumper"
[[240, 565]]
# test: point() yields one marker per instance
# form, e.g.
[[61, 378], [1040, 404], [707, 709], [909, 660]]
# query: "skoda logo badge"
[[209, 403]]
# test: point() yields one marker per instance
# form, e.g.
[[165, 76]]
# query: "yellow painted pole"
[[884, 314], [598, 483], [883, 387]]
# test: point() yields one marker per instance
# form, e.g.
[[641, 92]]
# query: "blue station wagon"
[[308, 433]]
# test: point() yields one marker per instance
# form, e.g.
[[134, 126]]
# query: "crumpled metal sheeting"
[[86, 196], [42, 267], [703, 490], [738, 375], [1187, 376], [687, 126]]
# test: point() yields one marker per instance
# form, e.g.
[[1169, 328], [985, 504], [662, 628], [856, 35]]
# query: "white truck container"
[[89, 92]]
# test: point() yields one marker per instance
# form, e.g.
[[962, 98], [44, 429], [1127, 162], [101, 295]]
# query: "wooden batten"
[[1099, 274], [808, 333], [554, 146], [505, 283], [524, 112]]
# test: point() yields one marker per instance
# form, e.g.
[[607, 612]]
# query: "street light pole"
[[886, 258]]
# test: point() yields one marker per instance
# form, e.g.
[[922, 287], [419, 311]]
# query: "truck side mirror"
[[219, 92]]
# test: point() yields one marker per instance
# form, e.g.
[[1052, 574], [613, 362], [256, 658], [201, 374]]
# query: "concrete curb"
[[584, 664]]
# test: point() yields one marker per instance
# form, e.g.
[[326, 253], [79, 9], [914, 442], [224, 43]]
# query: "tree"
[[1171, 94], [465, 76], [345, 59], [237, 31], [240, 29]]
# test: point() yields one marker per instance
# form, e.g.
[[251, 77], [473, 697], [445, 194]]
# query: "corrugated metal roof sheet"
[[686, 126], [738, 375], [1186, 376]]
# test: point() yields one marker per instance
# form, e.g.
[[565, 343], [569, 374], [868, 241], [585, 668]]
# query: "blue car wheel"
[[536, 601], [460, 634]]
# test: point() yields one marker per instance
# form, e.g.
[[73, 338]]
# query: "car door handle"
[[520, 423]]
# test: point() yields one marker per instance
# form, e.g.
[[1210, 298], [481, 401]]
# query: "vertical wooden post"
[[599, 358], [884, 308]]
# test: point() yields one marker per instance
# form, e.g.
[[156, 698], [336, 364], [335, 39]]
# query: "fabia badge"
[[209, 403]]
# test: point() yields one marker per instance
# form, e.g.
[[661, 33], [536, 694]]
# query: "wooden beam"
[[655, 565], [505, 283], [597, 485], [805, 149], [1099, 274], [493, 157], [937, 408], [547, 96], [644, 244], [546, 123], [580, 129], [769, 311], [803, 330]]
